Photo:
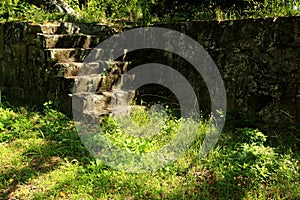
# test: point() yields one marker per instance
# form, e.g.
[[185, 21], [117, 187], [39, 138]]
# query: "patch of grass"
[[42, 157]]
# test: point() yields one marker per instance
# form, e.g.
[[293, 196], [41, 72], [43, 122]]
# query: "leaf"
[[63, 194]]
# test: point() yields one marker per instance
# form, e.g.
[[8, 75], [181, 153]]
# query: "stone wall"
[[22, 62], [259, 60]]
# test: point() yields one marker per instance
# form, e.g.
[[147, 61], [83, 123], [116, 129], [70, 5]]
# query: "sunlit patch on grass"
[[43, 158]]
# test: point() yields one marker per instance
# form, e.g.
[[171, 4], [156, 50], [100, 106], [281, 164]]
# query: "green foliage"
[[145, 134], [250, 136], [242, 164], [145, 12], [16, 10], [42, 157], [20, 10], [168, 10]]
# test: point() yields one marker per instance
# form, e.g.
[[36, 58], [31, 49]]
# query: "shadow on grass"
[[43, 159], [55, 142], [61, 144]]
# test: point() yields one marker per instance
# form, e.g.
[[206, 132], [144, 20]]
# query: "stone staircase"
[[88, 87]]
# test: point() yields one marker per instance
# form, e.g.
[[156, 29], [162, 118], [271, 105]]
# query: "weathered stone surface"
[[84, 102], [68, 69], [1, 41], [71, 28], [259, 60], [71, 41], [67, 55]]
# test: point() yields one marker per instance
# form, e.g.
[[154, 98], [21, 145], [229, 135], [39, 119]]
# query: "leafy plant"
[[42, 157], [250, 136], [145, 12]]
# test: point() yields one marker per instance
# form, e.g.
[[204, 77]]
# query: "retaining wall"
[[259, 60]]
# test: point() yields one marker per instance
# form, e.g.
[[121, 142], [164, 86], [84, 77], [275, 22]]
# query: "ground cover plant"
[[145, 12], [42, 157]]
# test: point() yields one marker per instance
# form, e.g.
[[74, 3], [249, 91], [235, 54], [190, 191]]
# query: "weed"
[[42, 157]]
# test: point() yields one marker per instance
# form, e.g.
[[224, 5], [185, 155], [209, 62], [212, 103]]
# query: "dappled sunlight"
[[51, 163]]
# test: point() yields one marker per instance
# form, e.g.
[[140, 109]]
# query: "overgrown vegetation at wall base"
[[42, 157], [144, 12]]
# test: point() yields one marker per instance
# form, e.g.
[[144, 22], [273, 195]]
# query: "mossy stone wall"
[[259, 60]]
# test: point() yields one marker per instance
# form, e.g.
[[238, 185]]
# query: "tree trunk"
[[55, 6]]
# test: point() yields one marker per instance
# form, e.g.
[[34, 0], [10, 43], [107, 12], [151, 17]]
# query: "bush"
[[144, 12]]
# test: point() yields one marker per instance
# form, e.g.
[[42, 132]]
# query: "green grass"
[[42, 157]]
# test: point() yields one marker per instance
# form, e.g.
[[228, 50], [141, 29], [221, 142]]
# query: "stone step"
[[47, 28], [100, 83], [106, 102], [71, 41], [95, 83], [60, 55], [97, 116], [119, 111], [84, 102], [70, 69], [71, 28], [90, 116]]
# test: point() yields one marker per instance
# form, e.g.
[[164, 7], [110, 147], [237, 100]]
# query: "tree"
[[56, 6]]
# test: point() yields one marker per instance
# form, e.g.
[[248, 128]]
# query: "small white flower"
[[295, 8]]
